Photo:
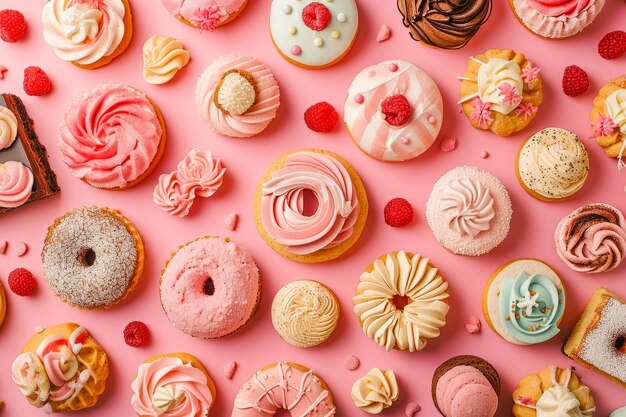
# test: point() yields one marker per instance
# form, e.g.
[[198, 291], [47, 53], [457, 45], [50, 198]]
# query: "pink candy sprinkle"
[[411, 409], [384, 33], [231, 222], [38, 329], [351, 362], [21, 248], [3, 246], [296, 50], [472, 324], [432, 120], [405, 140], [393, 67], [484, 154], [359, 99], [3, 69], [448, 144], [229, 369]]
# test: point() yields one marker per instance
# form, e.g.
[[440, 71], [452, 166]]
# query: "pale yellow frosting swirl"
[[410, 277], [616, 108], [163, 57], [554, 163], [8, 127], [375, 391], [559, 401], [305, 313], [492, 75]]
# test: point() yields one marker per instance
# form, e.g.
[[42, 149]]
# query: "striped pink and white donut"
[[394, 111]]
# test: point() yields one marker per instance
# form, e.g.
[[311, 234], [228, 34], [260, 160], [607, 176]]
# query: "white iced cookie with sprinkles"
[[313, 34], [394, 111]]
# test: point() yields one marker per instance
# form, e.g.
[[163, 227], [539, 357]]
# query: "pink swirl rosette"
[[171, 196], [469, 207], [200, 173], [168, 387], [282, 205], [109, 135], [16, 184], [556, 8]]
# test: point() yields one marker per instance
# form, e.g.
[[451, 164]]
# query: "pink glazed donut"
[[394, 111], [210, 288]]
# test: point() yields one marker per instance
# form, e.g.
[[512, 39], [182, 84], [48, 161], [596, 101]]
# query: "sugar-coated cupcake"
[[469, 211], [61, 369], [282, 209], [111, 136], [210, 287], [552, 165], [87, 33], [558, 19], [466, 386], [206, 15], [551, 391], [524, 301], [608, 119], [237, 96], [501, 91], [173, 385]]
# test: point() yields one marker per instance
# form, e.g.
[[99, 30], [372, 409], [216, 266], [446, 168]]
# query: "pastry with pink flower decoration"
[[501, 91], [173, 385], [206, 15], [237, 96], [199, 174], [61, 369], [608, 119]]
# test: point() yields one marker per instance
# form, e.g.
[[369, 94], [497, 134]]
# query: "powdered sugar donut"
[[394, 111], [205, 14], [313, 34]]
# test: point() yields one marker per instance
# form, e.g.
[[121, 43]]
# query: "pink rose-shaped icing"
[[109, 135], [556, 8], [168, 387], [171, 196], [16, 184], [200, 172], [283, 210]]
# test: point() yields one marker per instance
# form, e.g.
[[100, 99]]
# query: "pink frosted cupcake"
[[555, 19], [237, 96], [205, 14], [469, 211], [210, 288]]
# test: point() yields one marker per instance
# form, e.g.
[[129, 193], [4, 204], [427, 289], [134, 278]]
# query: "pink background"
[[531, 234]]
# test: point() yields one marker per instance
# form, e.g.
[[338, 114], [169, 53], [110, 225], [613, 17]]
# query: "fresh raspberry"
[[398, 212], [136, 334], [12, 25], [575, 81], [22, 282], [613, 45], [396, 109], [321, 117], [36, 82], [316, 16]]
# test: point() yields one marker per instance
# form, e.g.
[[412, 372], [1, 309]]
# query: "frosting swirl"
[[163, 57], [282, 204], [169, 387], [592, 238], [305, 313], [412, 278], [555, 8], [554, 163], [8, 127], [616, 108], [171, 195], [30, 376], [468, 205], [201, 173], [16, 184], [375, 391], [109, 135], [83, 31], [448, 24], [494, 77], [557, 18], [559, 401], [531, 307]]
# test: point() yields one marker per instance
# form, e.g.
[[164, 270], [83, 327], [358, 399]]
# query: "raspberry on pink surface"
[[396, 109], [22, 282], [36, 82], [398, 212], [321, 117], [136, 334], [12, 25]]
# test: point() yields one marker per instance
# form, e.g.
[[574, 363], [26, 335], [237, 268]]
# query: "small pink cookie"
[[229, 369], [21, 248], [464, 388], [231, 221], [394, 111], [205, 14], [237, 96], [351, 363], [210, 288], [469, 211]]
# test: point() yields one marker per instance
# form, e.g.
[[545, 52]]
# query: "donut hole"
[[209, 287], [400, 301], [87, 257], [620, 344], [310, 203]]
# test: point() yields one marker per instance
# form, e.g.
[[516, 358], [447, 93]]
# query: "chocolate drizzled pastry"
[[446, 24], [29, 151]]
